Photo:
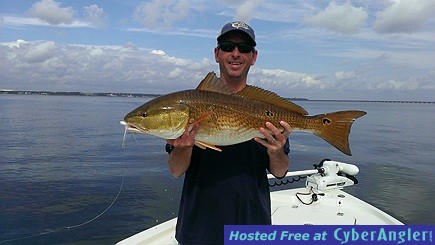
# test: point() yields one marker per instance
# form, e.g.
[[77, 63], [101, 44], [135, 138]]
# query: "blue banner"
[[328, 234]]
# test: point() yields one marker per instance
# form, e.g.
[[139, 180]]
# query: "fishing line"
[[134, 137], [96, 217], [123, 138], [90, 220], [137, 142], [72, 226], [125, 133]]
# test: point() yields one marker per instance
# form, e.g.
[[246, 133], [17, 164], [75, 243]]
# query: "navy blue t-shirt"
[[224, 188]]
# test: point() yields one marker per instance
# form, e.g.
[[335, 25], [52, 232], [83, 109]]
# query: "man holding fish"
[[227, 187], [225, 135]]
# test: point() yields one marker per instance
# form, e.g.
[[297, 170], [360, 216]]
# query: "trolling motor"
[[325, 176], [332, 175]]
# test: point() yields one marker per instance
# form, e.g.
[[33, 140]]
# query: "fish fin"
[[262, 95], [203, 117], [200, 119], [336, 128], [197, 143], [212, 83], [203, 145]]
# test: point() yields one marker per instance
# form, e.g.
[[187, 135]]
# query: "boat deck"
[[334, 207]]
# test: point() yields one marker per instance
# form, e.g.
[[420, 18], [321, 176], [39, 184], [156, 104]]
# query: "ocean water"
[[66, 178]]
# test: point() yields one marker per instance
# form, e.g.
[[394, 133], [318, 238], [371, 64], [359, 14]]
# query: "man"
[[228, 187]]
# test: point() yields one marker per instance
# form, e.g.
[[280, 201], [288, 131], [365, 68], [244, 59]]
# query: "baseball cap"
[[238, 26]]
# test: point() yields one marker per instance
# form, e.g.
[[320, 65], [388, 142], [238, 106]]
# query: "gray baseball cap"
[[238, 26]]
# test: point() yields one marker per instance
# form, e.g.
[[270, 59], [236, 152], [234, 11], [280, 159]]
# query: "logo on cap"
[[239, 24]]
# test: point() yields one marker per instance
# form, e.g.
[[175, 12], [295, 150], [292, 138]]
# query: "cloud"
[[400, 85], [39, 52], [36, 65], [161, 13], [53, 66], [31, 21], [158, 52], [285, 80], [177, 72], [47, 65], [404, 16], [280, 11], [96, 15], [246, 9], [343, 75], [51, 12], [345, 19], [130, 45]]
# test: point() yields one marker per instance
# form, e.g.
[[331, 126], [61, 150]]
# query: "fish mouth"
[[131, 128]]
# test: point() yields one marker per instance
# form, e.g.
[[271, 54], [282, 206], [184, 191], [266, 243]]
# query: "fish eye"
[[144, 114]]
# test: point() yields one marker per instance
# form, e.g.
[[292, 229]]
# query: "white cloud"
[[130, 45], [46, 65], [161, 13], [16, 44], [282, 11], [285, 80], [22, 21], [177, 72], [246, 9], [158, 52], [51, 12], [31, 21], [404, 16], [396, 85], [343, 75], [96, 52], [345, 18], [96, 15], [39, 52], [243, 10]]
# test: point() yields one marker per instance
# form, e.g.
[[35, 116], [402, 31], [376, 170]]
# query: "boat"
[[321, 202]]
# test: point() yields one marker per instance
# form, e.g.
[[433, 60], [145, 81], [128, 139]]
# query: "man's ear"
[[254, 57], [216, 53]]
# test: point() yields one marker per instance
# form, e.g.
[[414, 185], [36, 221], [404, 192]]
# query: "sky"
[[362, 50]]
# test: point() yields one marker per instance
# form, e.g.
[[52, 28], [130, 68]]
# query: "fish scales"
[[234, 119]]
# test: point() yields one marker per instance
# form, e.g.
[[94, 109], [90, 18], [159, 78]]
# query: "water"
[[62, 165]]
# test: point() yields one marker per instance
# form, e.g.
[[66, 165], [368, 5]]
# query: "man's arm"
[[179, 160], [179, 157], [279, 163], [275, 142]]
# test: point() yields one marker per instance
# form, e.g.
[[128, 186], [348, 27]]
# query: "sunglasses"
[[228, 46]]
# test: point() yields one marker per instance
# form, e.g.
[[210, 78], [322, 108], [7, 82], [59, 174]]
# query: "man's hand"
[[187, 139], [179, 159], [274, 140]]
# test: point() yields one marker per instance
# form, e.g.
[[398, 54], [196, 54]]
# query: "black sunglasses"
[[228, 46]]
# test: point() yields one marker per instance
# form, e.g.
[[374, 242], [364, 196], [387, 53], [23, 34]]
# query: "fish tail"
[[335, 128]]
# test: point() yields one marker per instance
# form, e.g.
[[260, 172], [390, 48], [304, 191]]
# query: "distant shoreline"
[[141, 95]]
